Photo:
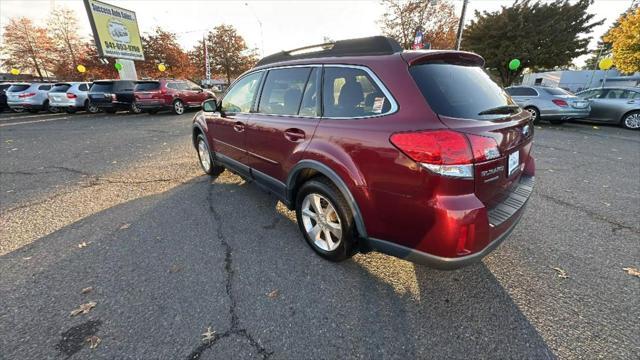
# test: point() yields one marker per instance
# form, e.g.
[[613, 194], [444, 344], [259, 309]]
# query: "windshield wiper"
[[504, 109]]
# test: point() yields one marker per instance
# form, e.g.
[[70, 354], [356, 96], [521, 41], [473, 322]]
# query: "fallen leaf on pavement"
[[83, 244], [124, 226], [93, 341], [84, 308], [86, 290], [209, 335], [174, 269], [273, 294], [632, 271], [561, 273], [26, 258], [595, 127]]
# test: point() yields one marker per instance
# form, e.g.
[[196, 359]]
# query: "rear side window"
[[60, 88], [103, 87], [18, 88], [241, 95], [148, 86], [351, 93], [83, 87], [282, 92], [44, 87], [556, 91], [459, 91]]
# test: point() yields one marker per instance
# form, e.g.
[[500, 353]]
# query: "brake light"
[[446, 152], [560, 102], [26, 95], [163, 91], [71, 96]]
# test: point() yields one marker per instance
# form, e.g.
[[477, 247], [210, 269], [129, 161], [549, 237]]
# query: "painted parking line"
[[33, 121], [29, 116]]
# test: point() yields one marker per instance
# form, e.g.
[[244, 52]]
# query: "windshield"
[[102, 87], [18, 88], [461, 91], [556, 91], [60, 88]]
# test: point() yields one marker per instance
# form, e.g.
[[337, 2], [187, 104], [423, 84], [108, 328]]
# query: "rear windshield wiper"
[[504, 109]]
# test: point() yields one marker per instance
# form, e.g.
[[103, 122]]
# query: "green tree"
[[228, 53], [437, 21], [540, 35]]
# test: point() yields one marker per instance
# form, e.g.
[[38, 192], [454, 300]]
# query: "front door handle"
[[238, 127], [294, 134]]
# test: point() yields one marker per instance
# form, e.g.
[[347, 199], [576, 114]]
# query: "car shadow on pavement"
[[225, 255]]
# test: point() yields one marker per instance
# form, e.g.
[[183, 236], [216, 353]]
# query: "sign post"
[[116, 34]]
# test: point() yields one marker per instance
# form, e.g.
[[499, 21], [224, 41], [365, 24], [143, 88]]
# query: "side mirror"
[[210, 105]]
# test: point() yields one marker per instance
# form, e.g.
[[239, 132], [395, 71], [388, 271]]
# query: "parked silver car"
[[71, 97], [549, 103], [617, 105], [32, 97]]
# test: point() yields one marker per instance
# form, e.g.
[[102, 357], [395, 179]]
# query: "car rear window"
[[459, 91], [556, 91], [102, 87], [17, 88], [148, 86], [60, 88]]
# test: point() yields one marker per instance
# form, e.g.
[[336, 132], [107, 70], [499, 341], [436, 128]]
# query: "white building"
[[575, 81]]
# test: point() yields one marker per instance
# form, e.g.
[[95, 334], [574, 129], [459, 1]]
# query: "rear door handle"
[[294, 134], [238, 127]]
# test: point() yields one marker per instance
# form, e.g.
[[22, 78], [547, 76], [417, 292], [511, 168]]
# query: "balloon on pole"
[[162, 67], [15, 71], [514, 64], [118, 66], [81, 69], [605, 64]]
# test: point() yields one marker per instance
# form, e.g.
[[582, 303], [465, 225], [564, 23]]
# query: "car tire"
[[134, 108], [535, 113], [631, 120], [205, 159], [70, 111], [91, 108], [556, 121], [331, 234], [178, 107]]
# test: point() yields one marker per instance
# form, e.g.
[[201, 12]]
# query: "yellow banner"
[[115, 30]]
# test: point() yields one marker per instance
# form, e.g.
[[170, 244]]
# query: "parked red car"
[[165, 94], [417, 154]]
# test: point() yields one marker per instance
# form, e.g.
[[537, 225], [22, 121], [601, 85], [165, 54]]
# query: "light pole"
[[461, 24], [260, 24]]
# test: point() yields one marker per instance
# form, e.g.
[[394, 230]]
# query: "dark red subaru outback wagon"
[[417, 154]]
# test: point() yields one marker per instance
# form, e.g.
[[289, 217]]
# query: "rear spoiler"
[[443, 56]]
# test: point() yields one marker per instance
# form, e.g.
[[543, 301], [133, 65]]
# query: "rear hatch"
[[498, 130], [58, 93], [148, 92], [15, 91], [101, 92]]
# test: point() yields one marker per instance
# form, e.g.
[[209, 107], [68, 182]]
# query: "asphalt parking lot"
[[114, 210]]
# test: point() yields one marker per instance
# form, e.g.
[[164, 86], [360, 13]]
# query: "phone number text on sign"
[[123, 47]]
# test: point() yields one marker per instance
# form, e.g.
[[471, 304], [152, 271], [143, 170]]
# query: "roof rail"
[[374, 45]]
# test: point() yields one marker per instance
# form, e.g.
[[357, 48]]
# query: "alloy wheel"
[[92, 108], [178, 107], [135, 108], [632, 121], [205, 157], [321, 222]]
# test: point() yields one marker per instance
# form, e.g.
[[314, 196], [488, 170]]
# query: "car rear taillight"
[[26, 95], [163, 91], [71, 96], [560, 102], [446, 152]]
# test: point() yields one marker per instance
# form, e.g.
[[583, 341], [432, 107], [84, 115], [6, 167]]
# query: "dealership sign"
[[115, 30]]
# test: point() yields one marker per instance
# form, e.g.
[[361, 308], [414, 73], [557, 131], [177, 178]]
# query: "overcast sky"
[[285, 24]]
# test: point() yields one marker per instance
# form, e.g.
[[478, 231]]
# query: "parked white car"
[[71, 97]]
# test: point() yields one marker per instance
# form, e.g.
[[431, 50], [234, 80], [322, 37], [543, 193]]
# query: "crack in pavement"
[[33, 172], [616, 226], [228, 267]]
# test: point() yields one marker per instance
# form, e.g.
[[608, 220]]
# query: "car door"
[[196, 94], [593, 97], [283, 125], [226, 128], [603, 106]]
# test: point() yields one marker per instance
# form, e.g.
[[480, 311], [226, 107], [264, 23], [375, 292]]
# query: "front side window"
[[282, 91], [310, 105], [240, 97], [350, 93], [193, 86]]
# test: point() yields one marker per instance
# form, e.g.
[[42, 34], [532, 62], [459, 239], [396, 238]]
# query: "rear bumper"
[[25, 105], [72, 104], [498, 221]]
